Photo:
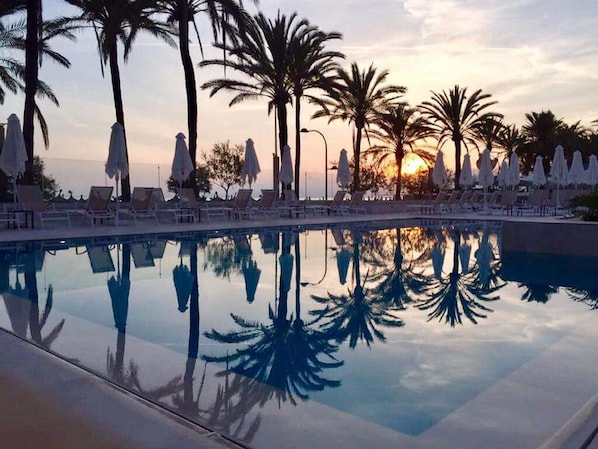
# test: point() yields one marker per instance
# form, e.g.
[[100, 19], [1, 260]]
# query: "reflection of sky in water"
[[421, 373]]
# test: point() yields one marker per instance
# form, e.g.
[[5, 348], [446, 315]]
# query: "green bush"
[[587, 205]]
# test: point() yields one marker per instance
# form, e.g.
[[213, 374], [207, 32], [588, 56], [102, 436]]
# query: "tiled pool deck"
[[49, 403]]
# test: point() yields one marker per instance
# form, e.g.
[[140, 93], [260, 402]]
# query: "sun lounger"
[[139, 207], [241, 205], [336, 206], [355, 206], [30, 198], [98, 206], [265, 206], [535, 203], [172, 209], [508, 199], [290, 206]]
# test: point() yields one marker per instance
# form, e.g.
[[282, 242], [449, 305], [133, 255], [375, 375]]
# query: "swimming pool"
[[382, 335]]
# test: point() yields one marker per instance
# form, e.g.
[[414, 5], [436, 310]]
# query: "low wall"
[[567, 238]]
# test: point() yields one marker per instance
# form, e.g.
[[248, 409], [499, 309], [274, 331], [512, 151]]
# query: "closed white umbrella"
[[182, 165], [538, 176], [117, 165], [514, 175], [14, 154], [466, 176], [503, 174], [485, 177], [558, 171], [286, 166], [439, 176], [576, 173], [343, 174], [251, 166], [592, 171]]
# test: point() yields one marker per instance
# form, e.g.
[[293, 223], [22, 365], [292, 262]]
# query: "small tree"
[[225, 164], [47, 183], [202, 181]]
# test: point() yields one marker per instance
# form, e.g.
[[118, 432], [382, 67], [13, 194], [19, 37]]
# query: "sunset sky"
[[531, 55]]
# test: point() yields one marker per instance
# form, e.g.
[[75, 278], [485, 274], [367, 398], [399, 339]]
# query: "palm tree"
[[183, 13], [263, 54], [488, 131], [510, 140], [113, 21], [13, 72], [454, 116], [541, 131], [32, 47], [10, 68], [356, 96], [400, 129], [309, 67]]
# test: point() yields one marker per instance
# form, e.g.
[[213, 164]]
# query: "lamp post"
[[305, 130]]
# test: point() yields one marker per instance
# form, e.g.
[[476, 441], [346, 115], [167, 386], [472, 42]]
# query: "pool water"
[[370, 334]]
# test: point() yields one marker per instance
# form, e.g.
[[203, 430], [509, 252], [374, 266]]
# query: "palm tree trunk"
[[297, 143], [31, 80], [356, 158], [457, 163], [283, 132], [399, 161], [190, 87], [120, 113]]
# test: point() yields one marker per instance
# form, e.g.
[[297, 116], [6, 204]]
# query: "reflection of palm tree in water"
[[537, 292], [129, 378], [37, 323], [284, 354], [449, 299], [399, 281], [358, 315], [588, 297]]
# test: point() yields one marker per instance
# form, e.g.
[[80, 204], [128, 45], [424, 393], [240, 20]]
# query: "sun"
[[412, 165]]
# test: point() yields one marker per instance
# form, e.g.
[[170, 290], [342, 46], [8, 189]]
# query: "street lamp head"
[[304, 130]]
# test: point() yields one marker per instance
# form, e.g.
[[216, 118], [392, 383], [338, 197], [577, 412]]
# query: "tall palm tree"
[[453, 116], [309, 67], [184, 13], [356, 96], [114, 21], [32, 47], [400, 130], [263, 54], [541, 131], [12, 71]]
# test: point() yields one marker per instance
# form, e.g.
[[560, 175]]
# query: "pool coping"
[[45, 375]]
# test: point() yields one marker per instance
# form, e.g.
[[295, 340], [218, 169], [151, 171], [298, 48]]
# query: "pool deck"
[[48, 402]]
